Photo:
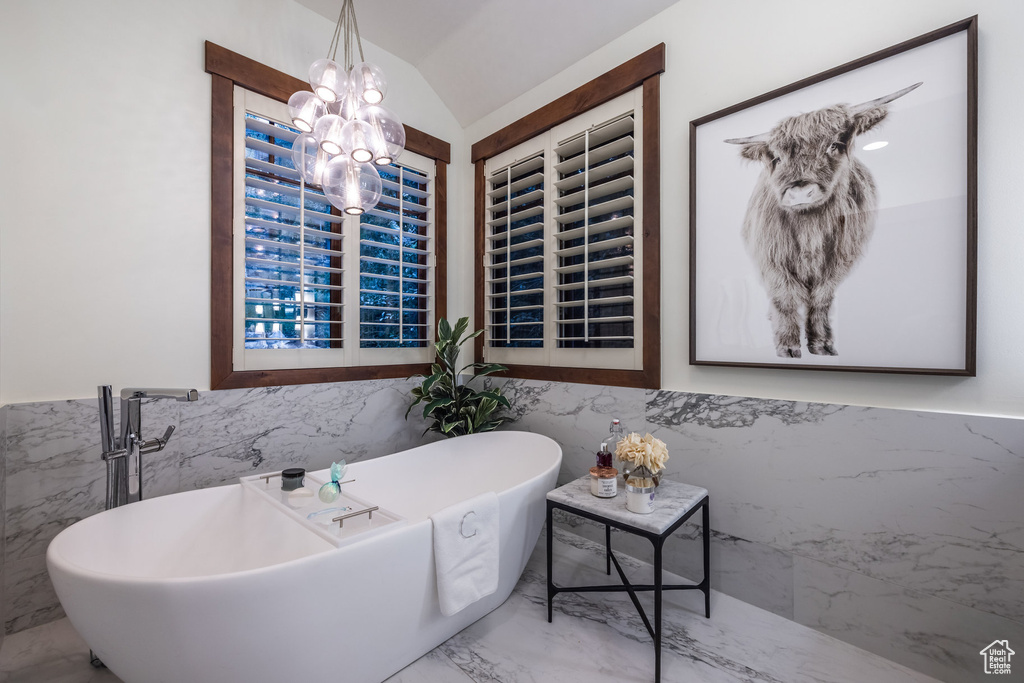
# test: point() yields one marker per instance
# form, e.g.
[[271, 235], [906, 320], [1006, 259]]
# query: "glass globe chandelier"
[[347, 133]]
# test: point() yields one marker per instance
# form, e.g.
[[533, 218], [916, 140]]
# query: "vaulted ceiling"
[[480, 54]]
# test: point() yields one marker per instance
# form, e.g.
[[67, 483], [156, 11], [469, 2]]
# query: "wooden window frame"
[[644, 71], [228, 69]]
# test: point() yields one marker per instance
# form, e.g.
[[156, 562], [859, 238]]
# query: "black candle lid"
[[293, 473]]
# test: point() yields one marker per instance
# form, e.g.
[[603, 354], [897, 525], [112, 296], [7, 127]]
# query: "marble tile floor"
[[594, 638]]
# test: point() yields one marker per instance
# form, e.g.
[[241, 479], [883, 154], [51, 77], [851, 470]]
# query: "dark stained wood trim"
[[440, 240], [608, 86], [479, 206], [221, 218], [250, 74], [228, 69], [427, 145], [652, 233], [970, 25], [274, 378], [278, 85], [614, 378]]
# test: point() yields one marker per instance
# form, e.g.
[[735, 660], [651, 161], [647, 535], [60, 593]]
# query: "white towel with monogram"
[[466, 552]]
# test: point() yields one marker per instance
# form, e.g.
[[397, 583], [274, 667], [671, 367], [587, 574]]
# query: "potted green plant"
[[452, 406]]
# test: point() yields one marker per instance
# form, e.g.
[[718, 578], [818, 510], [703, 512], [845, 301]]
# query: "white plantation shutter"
[[594, 223], [300, 299], [560, 257], [514, 268], [293, 248], [396, 262]]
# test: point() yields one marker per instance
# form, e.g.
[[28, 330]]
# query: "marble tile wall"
[[899, 531], [55, 476], [3, 508]]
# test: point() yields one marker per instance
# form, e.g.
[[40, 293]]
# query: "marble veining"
[[672, 500], [916, 499], [55, 475], [899, 531], [577, 416], [595, 639], [720, 412], [923, 503]]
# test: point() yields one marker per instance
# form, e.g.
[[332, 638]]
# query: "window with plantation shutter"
[[515, 255], [568, 234], [561, 262], [594, 183], [395, 263], [300, 293], [317, 287], [293, 248]]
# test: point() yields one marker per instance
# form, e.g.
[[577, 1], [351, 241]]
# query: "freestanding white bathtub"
[[220, 585]]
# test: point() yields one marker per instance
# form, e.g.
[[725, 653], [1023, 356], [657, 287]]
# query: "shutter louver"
[[395, 263], [514, 260], [594, 233], [293, 257]]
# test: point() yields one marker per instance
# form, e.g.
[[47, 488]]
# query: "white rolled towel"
[[466, 552]]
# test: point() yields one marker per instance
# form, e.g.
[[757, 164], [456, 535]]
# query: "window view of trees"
[[294, 274]]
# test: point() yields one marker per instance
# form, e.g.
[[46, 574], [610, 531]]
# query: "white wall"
[[720, 53], [105, 239]]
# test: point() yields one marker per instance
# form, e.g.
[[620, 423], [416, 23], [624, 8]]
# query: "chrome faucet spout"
[[123, 453], [185, 395]]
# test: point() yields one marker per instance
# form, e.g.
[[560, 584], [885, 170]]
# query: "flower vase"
[[640, 487]]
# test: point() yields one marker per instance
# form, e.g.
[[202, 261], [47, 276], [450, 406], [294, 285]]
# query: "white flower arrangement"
[[643, 451]]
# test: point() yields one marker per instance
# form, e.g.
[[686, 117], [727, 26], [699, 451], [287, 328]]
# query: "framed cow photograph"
[[833, 222]]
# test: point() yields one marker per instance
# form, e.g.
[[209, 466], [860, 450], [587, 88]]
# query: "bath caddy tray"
[[341, 522]]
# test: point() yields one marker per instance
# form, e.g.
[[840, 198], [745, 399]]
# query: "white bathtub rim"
[[67, 565], [63, 562]]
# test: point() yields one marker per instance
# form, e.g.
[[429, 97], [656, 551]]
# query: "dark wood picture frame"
[[644, 71], [811, 330], [228, 69]]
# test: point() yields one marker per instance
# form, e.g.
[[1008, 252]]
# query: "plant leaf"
[[444, 331], [488, 368], [435, 404], [427, 383], [496, 396], [460, 327]]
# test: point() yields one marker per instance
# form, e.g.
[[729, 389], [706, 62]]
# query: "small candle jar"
[[292, 478], [604, 481], [640, 491]]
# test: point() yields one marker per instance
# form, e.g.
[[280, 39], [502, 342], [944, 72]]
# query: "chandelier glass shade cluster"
[[346, 131]]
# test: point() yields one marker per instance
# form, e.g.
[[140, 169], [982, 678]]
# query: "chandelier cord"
[[348, 25], [355, 27], [332, 49]]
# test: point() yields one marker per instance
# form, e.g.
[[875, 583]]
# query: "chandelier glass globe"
[[389, 131], [368, 83], [329, 79], [359, 140], [328, 133], [309, 159], [351, 186], [305, 108]]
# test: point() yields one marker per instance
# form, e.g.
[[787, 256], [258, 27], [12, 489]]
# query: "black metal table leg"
[[551, 582], [608, 549], [706, 583], [657, 609], [657, 538]]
